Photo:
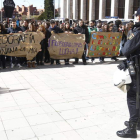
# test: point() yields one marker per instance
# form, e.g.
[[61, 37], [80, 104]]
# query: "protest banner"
[[66, 45], [104, 44], [21, 44]]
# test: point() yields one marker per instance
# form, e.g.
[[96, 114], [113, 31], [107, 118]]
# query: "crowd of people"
[[78, 27]]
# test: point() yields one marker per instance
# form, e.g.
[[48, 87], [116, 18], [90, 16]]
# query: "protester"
[[11, 30], [82, 29], [32, 28], [55, 29], [2, 57], [92, 28], [67, 30], [25, 27], [39, 57]]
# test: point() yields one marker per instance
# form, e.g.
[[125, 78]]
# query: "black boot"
[[126, 123], [129, 132]]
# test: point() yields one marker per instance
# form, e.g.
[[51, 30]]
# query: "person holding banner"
[[11, 30], [82, 29], [43, 43], [92, 28], [68, 30], [2, 57], [55, 29]]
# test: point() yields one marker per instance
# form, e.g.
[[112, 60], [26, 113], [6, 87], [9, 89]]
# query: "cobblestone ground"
[[74, 102]]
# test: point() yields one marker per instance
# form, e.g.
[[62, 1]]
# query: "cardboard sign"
[[21, 44], [104, 44], [65, 46]]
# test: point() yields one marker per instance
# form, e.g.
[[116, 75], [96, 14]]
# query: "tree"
[[49, 9]]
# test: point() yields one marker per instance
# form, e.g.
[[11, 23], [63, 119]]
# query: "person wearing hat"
[[131, 50]]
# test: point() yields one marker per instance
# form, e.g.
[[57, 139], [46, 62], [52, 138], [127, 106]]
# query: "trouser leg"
[[3, 61], [13, 60], [131, 102], [83, 58], [57, 61], [47, 55], [37, 58], [52, 61]]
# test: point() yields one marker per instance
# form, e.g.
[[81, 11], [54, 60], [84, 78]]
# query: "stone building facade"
[[98, 9]]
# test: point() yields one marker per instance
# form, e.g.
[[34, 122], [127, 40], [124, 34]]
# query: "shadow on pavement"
[[7, 90], [48, 66]]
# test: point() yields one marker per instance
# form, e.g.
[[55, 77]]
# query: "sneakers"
[[19, 65], [75, 62], [12, 65]]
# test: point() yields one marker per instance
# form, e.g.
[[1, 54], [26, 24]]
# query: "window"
[[136, 5], [96, 9], [87, 9], [79, 9], [108, 7], [121, 8]]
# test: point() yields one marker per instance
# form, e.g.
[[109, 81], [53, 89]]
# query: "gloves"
[[123, 66]]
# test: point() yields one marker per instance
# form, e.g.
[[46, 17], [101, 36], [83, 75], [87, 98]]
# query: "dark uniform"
[[131, 49]]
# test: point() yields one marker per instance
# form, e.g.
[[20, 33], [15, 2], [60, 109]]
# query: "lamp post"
[[1, 10], [29, 8]]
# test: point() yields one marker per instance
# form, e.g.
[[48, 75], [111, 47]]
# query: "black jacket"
[[115, 28], [132, 46], [48, 32], [55, 30], [12, 30], [23, 28], [82, 30]]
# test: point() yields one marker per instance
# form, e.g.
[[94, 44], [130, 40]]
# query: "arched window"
[[108, 7], [121, 8]]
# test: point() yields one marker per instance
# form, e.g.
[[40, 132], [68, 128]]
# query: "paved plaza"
[[74, 102]]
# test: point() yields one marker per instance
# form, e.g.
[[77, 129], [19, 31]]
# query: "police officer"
[[130, 50]]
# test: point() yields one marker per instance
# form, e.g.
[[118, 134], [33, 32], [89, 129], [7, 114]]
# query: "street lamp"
[[29, 8]]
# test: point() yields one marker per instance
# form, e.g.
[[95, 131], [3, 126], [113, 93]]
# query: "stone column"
[[75, 9], [102, 8], [128, 9], [71, 9], [91, 10], [114, 8], [68, 9], [64, 9], [83, 9]]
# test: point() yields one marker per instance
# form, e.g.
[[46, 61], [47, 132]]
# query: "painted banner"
[[104, 44], [66, 45], [21, 44]]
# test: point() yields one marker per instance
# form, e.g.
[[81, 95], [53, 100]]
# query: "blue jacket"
[[12, 30]]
